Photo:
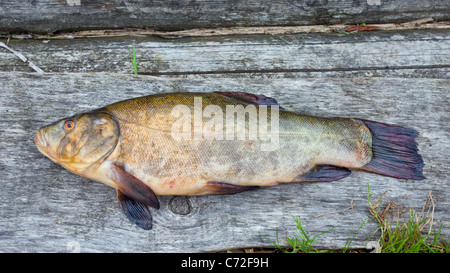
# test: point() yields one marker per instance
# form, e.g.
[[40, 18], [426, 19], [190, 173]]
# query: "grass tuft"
[[415, 235], [133, 59], [301, 243]]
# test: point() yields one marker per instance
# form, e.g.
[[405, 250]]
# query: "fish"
[[219, 143]]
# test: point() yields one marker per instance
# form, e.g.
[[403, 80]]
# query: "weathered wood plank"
[[406, 53], [45, 208], [46, 16]]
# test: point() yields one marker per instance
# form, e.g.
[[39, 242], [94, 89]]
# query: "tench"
[[218, 143]]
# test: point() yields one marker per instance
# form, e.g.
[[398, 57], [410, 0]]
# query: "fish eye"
[[68, 125]]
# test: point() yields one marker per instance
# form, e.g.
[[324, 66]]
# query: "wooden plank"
[[406, 53], [45, 208], [47, 16]]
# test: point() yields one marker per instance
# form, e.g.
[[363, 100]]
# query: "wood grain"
[[385, 53], [45, 208], [387, 76], [48, 16]]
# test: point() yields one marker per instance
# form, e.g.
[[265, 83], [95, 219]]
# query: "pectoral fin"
[[323, 173], [135, 211], [132, 187]]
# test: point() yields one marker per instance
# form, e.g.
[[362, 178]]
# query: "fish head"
[[80, 141]]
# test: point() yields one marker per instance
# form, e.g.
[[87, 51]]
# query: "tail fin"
[[394, 152]]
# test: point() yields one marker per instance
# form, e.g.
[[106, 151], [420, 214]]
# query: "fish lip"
[[42, 145], [40, 140]]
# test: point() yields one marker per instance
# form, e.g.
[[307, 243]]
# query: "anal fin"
[[323, 173], [214, 187], [137, 212]]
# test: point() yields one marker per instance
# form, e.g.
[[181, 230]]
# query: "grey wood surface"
[[406, 53], [48, 16], [45, 208]]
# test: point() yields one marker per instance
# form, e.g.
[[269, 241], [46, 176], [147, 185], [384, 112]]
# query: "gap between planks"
[[300, 70], [425, 23]]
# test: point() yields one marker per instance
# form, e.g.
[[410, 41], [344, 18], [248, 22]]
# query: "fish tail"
[[394, 152]]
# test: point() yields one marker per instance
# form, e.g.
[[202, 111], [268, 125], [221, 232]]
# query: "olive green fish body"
[[184, 167], [218, 143]]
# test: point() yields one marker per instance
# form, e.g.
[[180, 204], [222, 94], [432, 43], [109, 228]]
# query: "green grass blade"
[[133, 59]]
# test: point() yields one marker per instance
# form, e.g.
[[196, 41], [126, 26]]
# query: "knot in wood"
[[180, 205]]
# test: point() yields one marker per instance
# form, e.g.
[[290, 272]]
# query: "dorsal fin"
[[251, 98]]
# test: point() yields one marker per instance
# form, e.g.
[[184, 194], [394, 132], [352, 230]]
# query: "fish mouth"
[[43, 146], [40, 140]]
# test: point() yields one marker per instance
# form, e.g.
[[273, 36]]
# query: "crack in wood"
[[299, 70], [424, 23]]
